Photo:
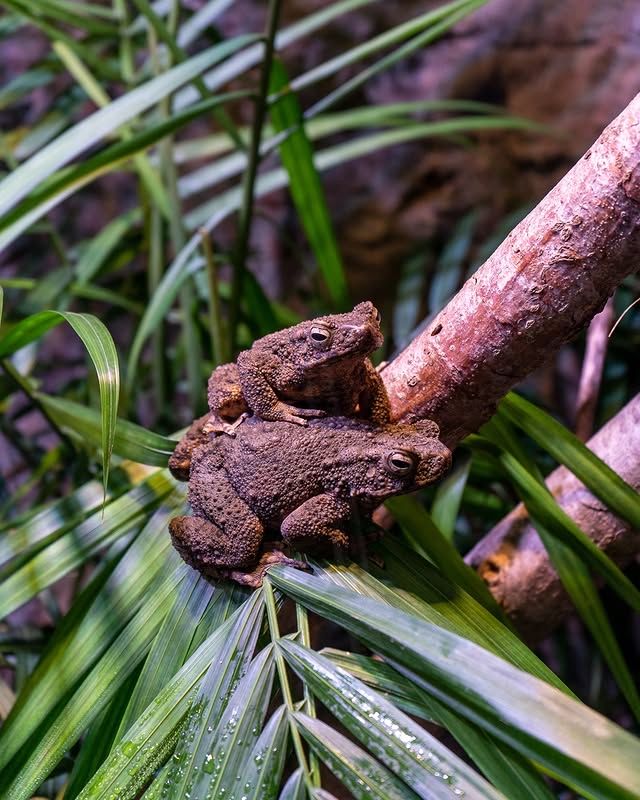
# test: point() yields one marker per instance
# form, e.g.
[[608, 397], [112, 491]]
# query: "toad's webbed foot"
[[216, 424], [272, 556]]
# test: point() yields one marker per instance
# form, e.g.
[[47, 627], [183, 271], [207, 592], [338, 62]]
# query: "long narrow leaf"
[[306, 189], [103, 122], [102, 350], [414, 755], [363, 776], [581, 747], [153, 736], [576, 456]]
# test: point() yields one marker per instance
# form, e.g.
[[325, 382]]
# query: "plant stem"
[[154, 276], [272, 617], [219, 344], [246, 211], [191, 342], [302, 620]]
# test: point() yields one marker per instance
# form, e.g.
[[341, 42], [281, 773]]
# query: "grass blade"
[[415, 756], [308, 195], [130, 440], [362, 775], [231, 742], [507, 770], [81, 640], [60, 733], [194, 752], [576, 456], [75, 546], [102, 350], [153, 736], [261, 773], [91, 130], [576, 744], [427, 539]]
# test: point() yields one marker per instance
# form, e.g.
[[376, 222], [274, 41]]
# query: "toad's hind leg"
[[208, 547], [224, 531]]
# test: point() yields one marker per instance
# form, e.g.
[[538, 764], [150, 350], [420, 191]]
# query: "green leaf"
[[19, 183], [294, 788], [153, 736], [225, 748], [212, 213], [130, 440], [171, 646], [542, 506], [93, 534], [100, 248], [428, 595], [67, 181], [99, 738], [426, 539], [579, 746], [102, 350], [414, 755], [261, 772], [571, 569], [507, 770], [384, 679], [22, 539], [362, 775], [570, 451], [423, 30], [84, 635], [577, 581], [96, 690], [193, 770], [448, 496], [304, 182]]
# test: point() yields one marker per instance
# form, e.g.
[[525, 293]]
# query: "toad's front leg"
[[317, 523]]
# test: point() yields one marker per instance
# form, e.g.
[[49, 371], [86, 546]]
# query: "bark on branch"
[[543, 284], [552, 274], [512, 559]]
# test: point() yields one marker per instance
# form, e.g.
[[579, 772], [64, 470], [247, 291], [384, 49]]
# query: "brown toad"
[[305, 482], [312, 369]]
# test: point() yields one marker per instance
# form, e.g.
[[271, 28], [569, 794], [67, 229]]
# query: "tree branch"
[[512, 559], [543, 284], [546, 281]]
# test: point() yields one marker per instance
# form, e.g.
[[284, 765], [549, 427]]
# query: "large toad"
[[305, 482], [310, 370]]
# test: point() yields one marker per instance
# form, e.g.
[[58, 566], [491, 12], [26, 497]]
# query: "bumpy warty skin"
[[320, 365], [275, 467]]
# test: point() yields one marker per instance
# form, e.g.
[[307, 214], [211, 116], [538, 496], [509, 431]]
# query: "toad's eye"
[[320, 335], [378, 317], [400, 462]]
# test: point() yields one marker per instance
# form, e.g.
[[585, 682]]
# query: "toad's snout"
[[435, 462]]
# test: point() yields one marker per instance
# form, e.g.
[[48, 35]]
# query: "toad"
[[306, 483], [309, 370]]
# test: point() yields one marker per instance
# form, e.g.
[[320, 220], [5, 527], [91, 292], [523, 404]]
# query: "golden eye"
[[401, 462], [320, 335]]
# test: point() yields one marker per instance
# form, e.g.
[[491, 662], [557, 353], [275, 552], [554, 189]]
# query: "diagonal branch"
[[546, 281], [543, 284], [511, 558]]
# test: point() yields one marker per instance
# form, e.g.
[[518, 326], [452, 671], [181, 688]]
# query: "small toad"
[[305, 482], [312, 369]]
